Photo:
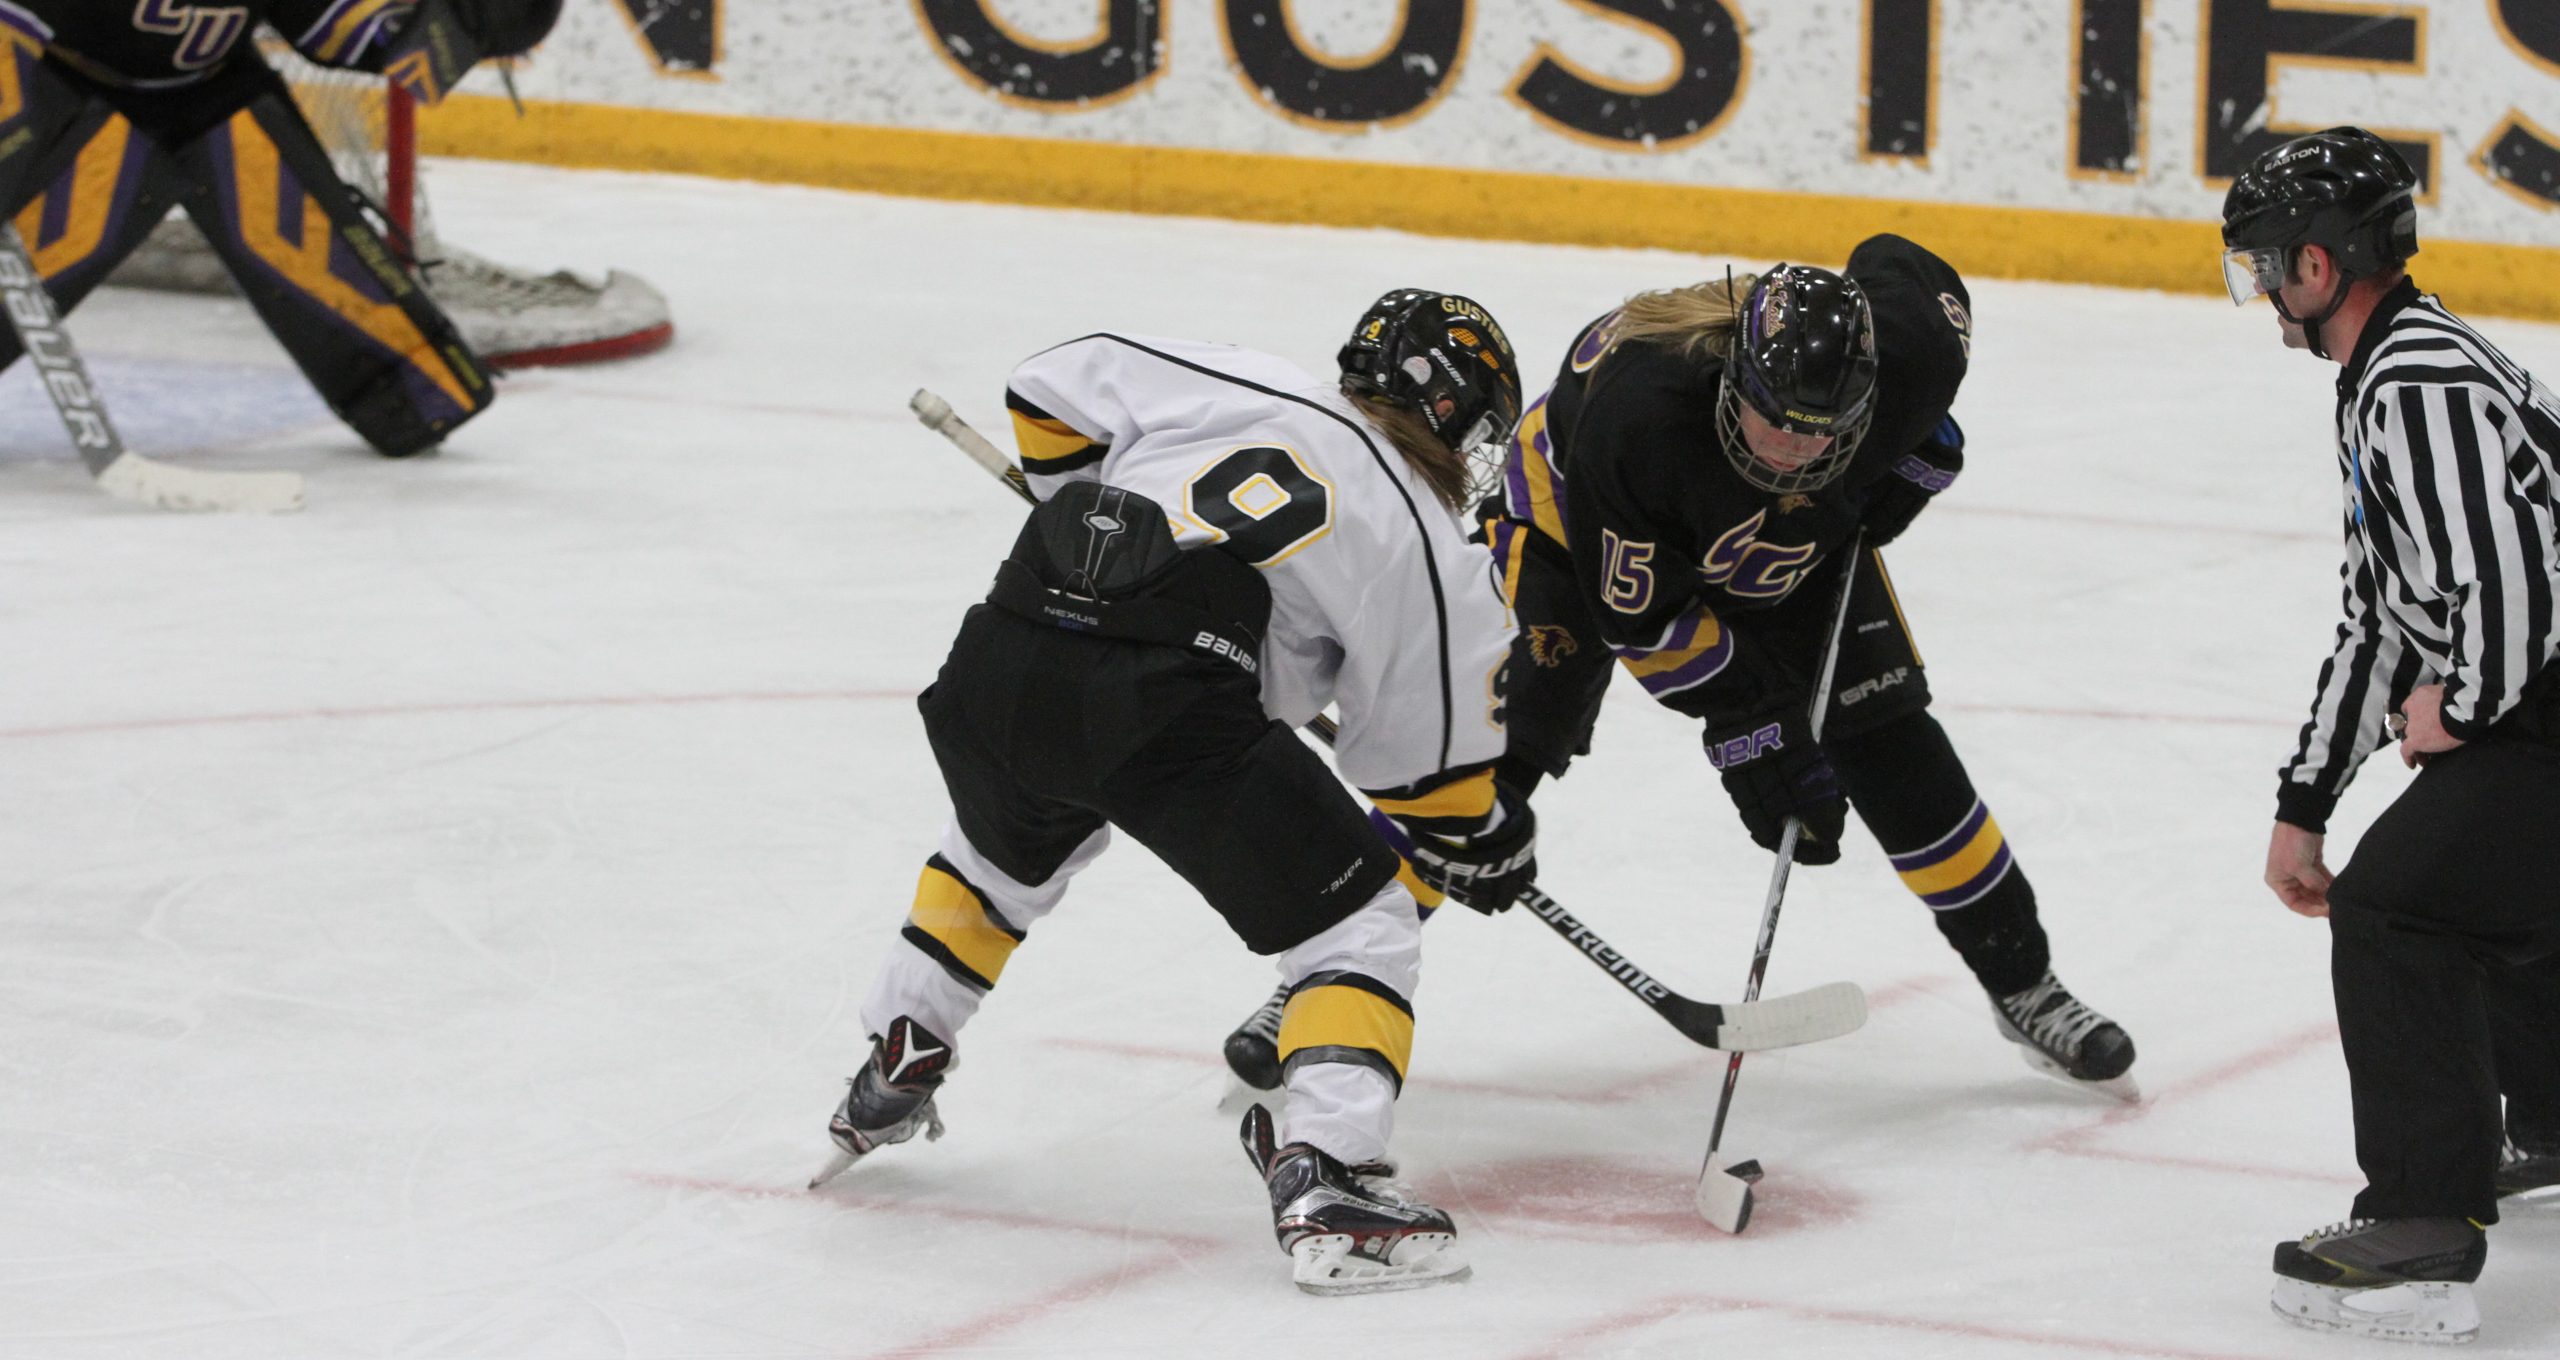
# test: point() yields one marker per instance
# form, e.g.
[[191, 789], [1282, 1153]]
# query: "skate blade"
[[2430, 1313], [1326, 1265], [2122, 1088], [836, 1166], [1724, 1191]]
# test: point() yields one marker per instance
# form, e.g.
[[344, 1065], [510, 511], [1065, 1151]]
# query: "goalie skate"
[[2061, 1037], [890, 1099], [2393, 1279], [1349, 1230]]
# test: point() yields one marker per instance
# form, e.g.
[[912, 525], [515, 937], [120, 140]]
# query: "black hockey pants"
[[2448, 911]]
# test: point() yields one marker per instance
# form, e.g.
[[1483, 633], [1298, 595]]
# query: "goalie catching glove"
[[1773, 770], [1484, 869], [444, 39]]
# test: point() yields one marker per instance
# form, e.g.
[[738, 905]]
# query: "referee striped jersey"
[[2451, 459]]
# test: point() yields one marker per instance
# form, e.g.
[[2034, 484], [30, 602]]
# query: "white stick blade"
[[1807, 1017], [1724, 1191], [166, 486]]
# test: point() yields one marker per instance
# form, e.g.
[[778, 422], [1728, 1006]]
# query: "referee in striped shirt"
[[2445, 925]]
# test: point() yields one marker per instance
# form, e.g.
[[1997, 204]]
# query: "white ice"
[[431, 925]]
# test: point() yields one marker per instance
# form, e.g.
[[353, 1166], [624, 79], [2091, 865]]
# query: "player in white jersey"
[[1225, 546]]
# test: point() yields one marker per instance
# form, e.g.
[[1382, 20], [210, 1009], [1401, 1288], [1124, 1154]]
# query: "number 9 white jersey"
[[1379, 605]]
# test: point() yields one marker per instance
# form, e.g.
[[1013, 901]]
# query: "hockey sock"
[[1910, 789]]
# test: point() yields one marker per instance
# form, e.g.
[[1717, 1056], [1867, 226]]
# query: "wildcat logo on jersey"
[[1794, 501], [1751, 569], [1550, 644]]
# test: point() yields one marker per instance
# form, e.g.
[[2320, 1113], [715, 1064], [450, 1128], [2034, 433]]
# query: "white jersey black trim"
[[1430, 559]]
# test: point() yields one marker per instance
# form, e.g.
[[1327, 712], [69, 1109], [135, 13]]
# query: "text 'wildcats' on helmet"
[[2344, 190], [1440, 356], [1804, 359]]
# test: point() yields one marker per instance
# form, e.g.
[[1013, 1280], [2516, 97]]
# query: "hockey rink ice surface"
[[432, 925]]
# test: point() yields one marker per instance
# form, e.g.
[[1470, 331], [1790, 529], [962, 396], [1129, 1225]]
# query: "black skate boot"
[[2396, 1279], [2062, 1037], [1349, 1230], [1253, 1051], [2529, 1172], [890, 1098]]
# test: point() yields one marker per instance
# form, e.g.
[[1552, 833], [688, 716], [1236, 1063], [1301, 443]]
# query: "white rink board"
[[2002, 90], [434, 922]]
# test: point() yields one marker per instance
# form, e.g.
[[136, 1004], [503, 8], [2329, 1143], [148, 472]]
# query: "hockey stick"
[[1724, 1183], [120, 471], [1824, 1012]]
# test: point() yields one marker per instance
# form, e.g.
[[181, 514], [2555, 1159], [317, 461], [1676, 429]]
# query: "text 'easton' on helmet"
[[2345, 190], [1440, 356], [1804, 358]]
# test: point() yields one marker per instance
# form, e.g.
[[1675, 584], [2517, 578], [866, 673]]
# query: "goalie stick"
[[1825, 1012], [1725, 1183], [120, 471]]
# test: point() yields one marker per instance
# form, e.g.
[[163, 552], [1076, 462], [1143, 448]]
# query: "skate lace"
[[2340, 1228], [1264, 1024], [2055, 1019]]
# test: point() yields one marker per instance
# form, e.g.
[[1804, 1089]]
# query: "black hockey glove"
[[1772, 770], [1916, 479], [444, 39], [1485, 871], [507, 28]]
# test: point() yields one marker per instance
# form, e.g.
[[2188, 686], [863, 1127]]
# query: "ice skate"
[[2529, 1174], [1349, 1230], [2061, 1037], [1253, 1051], [890, 1098], [2395, 1279]]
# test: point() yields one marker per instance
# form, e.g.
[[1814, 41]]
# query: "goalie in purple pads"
[[127, 108], [1705, 453]]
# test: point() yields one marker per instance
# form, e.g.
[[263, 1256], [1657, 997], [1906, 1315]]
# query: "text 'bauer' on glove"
[[1484, 869]]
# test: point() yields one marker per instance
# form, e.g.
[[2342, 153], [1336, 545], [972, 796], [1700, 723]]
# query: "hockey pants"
[[2447, 902]]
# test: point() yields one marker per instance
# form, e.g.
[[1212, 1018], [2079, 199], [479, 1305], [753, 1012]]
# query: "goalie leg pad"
[[341, 301], [81, 187]]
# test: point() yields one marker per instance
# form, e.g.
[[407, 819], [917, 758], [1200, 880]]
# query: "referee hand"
[[2421, 726], [2295, 872]]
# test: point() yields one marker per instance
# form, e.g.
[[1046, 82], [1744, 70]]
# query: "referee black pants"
[[2449, 915]]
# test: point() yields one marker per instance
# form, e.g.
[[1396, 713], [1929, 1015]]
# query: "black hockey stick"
[[1825, 1012], [1724, 1183], [120, 471]]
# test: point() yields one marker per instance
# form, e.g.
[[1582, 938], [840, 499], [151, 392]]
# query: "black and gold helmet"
[[1440, 356]]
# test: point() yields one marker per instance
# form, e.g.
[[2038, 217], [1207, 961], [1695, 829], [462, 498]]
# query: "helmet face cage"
[[1804, 357], [1441, 357]]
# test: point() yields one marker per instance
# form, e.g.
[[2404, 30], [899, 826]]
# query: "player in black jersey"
[[122, 109], [1706, 452]]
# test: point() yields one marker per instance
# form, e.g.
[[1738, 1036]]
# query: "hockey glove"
[[1916, 479], [443, 39], [1485, 871], [1772, 770]]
